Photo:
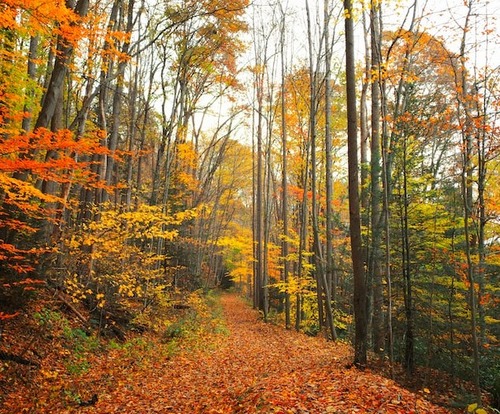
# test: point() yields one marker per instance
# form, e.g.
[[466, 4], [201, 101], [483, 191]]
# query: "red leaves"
[[4, 316]]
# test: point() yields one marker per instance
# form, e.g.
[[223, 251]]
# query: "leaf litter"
[[254, 367]]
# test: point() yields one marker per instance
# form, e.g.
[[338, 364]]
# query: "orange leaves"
[[47, 154], [409, 50], [8, 18], [34, 16], [4, 316], [26, 161], [13, 257], [114, 39]]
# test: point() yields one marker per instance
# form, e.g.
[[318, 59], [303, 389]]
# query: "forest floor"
[[238, 364]]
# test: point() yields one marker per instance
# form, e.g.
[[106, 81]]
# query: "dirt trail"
[[262, 368]]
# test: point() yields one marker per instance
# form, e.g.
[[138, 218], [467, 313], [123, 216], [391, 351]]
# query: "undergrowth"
[[74, 363]]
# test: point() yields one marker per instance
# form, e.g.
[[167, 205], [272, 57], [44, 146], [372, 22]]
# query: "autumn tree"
[[422, 172], [34, 156]]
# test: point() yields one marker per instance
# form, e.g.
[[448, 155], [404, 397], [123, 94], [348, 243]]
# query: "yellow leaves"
[[117, 249], [354, 12], [115, 227], [49, 374], [24, 196], [75, 289], [474, 408], [127, 290], [378, 73], [294, 286], [101, 302]]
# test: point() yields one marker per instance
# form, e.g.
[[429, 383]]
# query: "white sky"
[[441, 18]]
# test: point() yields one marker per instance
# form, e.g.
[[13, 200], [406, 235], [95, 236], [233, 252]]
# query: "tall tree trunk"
[[32, 56], [471, 279], [284, 175], [325, 313], [363, 149], [117, 102], [482, 219], [360, 340], [145, 119], [303, 225], [259, 202], [409, 360], [164, 154], [329, 282], [259, 276], [54, 89], [268, 203], [388, 141], [464, 102], [375, 263], [387, 245], [317, 258], [94, 196]]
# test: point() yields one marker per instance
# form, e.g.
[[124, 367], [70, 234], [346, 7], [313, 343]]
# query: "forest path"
[[260, 368], [232, 362]]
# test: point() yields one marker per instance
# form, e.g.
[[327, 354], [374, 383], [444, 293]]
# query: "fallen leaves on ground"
[[255, 368]]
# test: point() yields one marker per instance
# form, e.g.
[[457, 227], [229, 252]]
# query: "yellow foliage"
[[121, 263], [474, 408]]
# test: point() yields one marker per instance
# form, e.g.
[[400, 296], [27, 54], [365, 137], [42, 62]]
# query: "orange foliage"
[[37, 16], [39, 156]]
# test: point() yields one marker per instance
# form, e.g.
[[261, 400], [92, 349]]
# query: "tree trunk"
[[467, 197], [360, 340], [325, 313], [258, 199], [409, 360], [63, 57], [375, 263], [284, 176], [329, 288], [32, 56], [117, 103]]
